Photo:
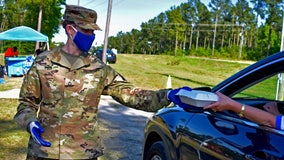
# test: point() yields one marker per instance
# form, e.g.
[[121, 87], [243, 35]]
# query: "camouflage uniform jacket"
[[68, 96]]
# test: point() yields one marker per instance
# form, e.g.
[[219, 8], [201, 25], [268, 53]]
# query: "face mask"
[[83, 41]]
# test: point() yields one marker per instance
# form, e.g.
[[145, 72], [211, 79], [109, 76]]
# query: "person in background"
[[15, 52], [272, 117], [2, 73], [272, 108], [11, 52], [59, 97], [38, 51]]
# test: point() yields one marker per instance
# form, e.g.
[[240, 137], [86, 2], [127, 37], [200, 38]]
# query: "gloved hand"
[[35, 130], [175, 99]]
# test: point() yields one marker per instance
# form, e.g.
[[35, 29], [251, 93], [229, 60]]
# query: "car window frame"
[[248, 77]]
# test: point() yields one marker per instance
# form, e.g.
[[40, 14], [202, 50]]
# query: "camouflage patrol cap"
[[83, 17]]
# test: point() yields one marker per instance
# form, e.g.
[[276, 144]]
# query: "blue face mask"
[[83, 41]]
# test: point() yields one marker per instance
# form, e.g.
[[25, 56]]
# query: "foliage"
[[201, 52], [26, 12], [221, 29]]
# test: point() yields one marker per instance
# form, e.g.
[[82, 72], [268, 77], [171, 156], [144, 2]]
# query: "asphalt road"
[[122, 128]]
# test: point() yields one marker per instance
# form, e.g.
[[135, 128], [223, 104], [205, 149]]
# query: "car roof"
[[251, 75]]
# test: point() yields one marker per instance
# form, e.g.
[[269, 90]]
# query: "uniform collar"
[[58, 57]]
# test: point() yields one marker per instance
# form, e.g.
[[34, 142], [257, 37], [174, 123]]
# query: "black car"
[[110, 55], [175, 133]]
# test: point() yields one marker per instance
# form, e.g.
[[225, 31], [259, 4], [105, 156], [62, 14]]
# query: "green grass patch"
[[13, 140], [152, 71], [11, 83]]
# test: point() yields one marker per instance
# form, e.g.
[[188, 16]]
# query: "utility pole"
[[2, 4], [214, 37], [241, 42], [107, 30], [39, 22], [280, 86]]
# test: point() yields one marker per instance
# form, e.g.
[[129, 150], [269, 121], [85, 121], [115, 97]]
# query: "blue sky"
[[125, 15]]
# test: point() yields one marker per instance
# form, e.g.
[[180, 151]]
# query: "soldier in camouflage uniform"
[[62, 90]]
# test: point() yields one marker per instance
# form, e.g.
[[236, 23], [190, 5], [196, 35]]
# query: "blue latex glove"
[[175, 99], [36, 129]]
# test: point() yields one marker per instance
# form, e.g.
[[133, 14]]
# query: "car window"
[[265, 89]]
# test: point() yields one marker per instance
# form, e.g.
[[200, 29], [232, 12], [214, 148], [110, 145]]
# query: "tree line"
[[242, 30], [245, 30]]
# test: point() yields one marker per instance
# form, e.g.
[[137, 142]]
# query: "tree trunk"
[[176, 43], [223, 37], [204, 43], [197, 39], [184, 42], [190, 40], [39, 23], [269, 41]]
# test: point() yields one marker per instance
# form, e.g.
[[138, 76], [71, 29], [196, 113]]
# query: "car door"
[[215, 136]]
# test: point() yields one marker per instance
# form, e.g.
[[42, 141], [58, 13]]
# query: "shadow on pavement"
[[122, 130]]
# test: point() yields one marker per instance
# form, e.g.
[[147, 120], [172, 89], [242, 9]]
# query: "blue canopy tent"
[[24, 33], [19, 65]]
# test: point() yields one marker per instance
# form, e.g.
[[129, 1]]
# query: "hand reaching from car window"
[[254, 114]]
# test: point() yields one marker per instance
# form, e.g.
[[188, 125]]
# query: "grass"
[[11, 83], [152, 71], [13, 141], [146, 71]]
